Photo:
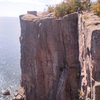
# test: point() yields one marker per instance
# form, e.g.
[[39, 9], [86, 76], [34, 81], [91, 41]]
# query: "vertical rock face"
[[89, 40], [50, 57], [95, 50]]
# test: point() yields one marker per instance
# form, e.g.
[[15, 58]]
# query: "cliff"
[[89, 40], [50, 57], [60, 57]]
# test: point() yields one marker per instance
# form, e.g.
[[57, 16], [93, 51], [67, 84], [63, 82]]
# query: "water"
[[9, 55]]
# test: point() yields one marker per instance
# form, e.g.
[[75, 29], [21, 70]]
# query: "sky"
[[13, 8]]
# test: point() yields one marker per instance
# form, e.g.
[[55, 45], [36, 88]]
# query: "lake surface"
[[9, 55]]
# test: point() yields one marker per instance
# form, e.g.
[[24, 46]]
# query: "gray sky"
[[16, 7]]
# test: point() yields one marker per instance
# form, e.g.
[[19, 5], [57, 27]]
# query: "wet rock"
[[18, 97], [15, 94], [6, 92], [19, 94]]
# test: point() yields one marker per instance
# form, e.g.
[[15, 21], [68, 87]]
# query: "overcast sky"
[[16, 7]]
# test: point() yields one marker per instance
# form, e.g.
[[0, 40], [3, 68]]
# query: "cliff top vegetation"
[[96, 8], [71, 6]]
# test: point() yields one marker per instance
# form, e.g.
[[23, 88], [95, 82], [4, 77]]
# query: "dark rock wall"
[[95, 52], [50, 58]]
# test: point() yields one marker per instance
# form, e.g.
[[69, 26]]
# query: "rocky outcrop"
[[32, 12], [6, 92], [89, 40], [50, 57], [19, 94]]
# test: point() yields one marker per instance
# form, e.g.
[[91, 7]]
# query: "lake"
[[9, 55]]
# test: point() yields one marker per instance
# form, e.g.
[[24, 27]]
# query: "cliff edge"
[[60, 57], [50, 57], [89, 44]]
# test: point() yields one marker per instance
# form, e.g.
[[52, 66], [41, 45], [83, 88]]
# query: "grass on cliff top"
[[67, 7]]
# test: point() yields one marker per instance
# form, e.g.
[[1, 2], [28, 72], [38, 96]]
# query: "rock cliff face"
[[60, 58], [89, 40], [50, 57]]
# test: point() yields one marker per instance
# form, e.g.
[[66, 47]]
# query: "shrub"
[[85, 17], [96, 8], [67, 7], [61, 10], [85, 5], [50, 9], [75, 4]]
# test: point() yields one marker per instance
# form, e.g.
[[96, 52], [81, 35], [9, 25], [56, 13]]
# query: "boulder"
[[19, 94], [6, 92], [18, 97], [32, 12]]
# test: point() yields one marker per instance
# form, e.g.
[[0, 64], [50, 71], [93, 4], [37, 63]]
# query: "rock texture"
[[50, 57], [6, 92], [89, 40], [19, 94]]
